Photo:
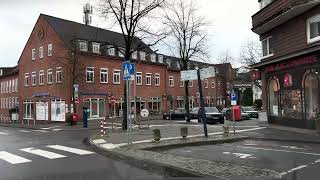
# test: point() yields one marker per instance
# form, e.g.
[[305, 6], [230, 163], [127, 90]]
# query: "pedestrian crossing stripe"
[[13, 159], [43, 153], [71, 150]]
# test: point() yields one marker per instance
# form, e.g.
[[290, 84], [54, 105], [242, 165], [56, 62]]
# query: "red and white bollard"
[[102, 129]]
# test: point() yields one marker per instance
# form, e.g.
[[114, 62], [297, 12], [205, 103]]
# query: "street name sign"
[[207, 72], [189, 75]]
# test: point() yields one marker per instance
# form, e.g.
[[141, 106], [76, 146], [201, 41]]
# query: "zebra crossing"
[[43, 152]]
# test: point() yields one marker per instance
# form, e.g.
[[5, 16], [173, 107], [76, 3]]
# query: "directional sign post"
[[234, 99]]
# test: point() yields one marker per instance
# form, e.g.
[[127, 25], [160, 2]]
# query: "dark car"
[[244, 116], [251, 112], [177, 114], [224, 111], [213, 115], [194, 113]]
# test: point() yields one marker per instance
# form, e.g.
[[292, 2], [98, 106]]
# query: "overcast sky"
[[230, 23]]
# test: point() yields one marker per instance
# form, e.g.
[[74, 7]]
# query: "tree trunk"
[[186, 99]]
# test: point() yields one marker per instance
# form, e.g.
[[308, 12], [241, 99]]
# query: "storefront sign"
[[291, 64]]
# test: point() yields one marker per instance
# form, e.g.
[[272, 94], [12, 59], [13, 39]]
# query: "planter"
[[317, 124], [156, 135], [184, 132], [225, 130]]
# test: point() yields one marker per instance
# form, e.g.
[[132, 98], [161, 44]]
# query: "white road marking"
[[293, 147], [3, 133], [292, 170], [40, 131], [279, 150], [43, 153], [240, 155], [99, 141], [110, 146], [252, 144], [25, 131], [71, 150], [57, 129], [317, 161], [13, 159], [52, 127]]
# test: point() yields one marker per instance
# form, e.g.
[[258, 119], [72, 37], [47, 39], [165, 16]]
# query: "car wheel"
[[199, 121], [167, 118]]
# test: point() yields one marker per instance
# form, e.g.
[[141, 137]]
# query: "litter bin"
[[85, 116]]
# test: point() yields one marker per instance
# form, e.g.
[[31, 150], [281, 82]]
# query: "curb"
[[283, 140], [154, 166], [38, 128]]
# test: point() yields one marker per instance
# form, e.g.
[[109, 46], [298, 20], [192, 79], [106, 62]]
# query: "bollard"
[[102, 128]]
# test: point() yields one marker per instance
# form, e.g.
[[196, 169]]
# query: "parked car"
[[177, 114], [213, 115], [244, 116], [194, 113], [251, 112]]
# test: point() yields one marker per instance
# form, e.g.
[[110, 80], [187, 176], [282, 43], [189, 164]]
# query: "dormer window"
[[153, 57], [160, 59], [313, 29], [96, 48], [111, 50], [134, 55], [169, 62], [121, 52], [142, 56], [83, 46]]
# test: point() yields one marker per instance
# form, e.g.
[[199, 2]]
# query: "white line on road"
[[99, 141], [25, 131], [113, 146], [3, 133], [57, 129], [13, 159], [292, 170], [71, 150], [279, 150], [52, 127], [43, 153], [40, 131]]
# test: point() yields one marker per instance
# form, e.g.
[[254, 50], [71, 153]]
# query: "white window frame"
[[134, 55], [206, 83], [191, 83], [58, 71], [41, 74], [89, 71], [104, 71], [181, 82], [157, 79], [41, 52], [96, 47], [213, 84], [9, 90], [26, 80], [34, 78], [139, 78], [116, 72], [148, 79], [50, 50], [49, 73], [28, 107], [153, 58], [83, 45], [111, 50], [268, 47], [315, 18], [33, 54], [16, 87], [121, 52], [160, 58], [168, 61], [171, 81], [142, 55]]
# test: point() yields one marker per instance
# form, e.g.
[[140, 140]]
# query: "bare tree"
[[250, 54], [225, 57], [188, 38], [133, 18]]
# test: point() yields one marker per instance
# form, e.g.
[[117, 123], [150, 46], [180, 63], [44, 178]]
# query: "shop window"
[[154, 105], [311, 98], [313, 29], [273, 97], [96, 108], [291, 106], [27, 109]]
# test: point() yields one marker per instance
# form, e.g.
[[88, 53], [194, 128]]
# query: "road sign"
[[234, 96], [233, 103], [189, 75], [128, 70], [144, 113], [207, 72]]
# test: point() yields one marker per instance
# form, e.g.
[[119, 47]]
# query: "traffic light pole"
[[202, 110]]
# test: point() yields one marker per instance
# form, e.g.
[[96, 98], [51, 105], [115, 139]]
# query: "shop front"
[[292, 91]]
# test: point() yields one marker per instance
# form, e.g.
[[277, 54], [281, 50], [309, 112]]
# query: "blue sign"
[[234, 96], [128, 70]]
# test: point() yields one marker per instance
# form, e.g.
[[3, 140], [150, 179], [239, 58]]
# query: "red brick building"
[[290, 35], [60, 54], [8, 92]]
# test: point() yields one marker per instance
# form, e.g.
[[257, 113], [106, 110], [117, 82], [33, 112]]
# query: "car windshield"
[[211, 109], [247, 109], [195, 109]]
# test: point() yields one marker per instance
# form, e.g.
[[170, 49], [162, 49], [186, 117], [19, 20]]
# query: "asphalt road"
[[58, 155], [292, 160]]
